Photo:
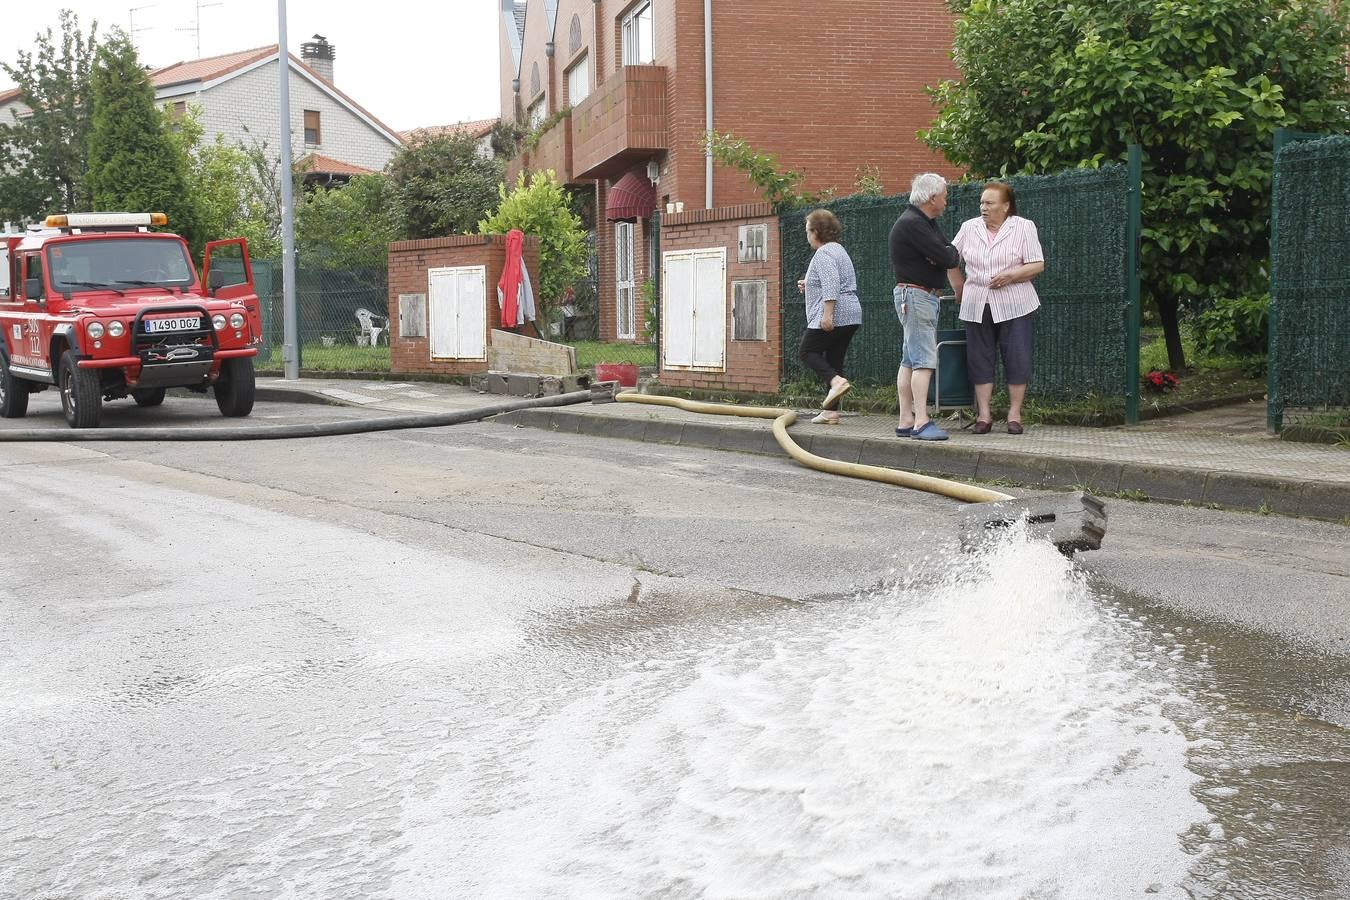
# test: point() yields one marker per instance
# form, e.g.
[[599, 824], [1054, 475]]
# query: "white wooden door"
[[457, 312], [677, 310], [694, 309], [625, 281]]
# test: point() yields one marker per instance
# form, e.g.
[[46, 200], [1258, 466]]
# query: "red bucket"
[[626, 374]]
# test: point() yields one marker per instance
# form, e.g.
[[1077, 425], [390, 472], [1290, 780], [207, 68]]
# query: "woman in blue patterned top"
[[833, 313]]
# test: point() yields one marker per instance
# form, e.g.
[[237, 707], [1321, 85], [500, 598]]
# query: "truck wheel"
[[234, 388], [148, 396], [13, 392], [81, 396]]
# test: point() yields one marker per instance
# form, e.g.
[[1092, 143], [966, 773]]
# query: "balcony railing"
[[624, 121]]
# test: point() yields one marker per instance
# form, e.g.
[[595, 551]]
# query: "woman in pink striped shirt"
[[1002, 254]]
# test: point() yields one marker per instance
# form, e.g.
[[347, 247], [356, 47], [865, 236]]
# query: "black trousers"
[[823, 351]]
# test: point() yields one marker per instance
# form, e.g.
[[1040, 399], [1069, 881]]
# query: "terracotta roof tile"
[[476, 129], [326, 165], [208, 69]]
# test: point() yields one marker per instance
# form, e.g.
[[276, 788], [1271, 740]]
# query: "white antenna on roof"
[[131, 21], [197, 29]]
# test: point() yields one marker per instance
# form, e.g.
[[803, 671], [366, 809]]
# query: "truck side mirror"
[[215, 280], [32, 288]]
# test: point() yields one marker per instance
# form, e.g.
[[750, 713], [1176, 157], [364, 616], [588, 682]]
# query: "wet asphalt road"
[[242, 666]]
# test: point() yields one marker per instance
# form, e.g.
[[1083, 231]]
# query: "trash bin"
[[951, 387]]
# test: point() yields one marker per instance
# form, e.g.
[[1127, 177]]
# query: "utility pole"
[[290, 351]]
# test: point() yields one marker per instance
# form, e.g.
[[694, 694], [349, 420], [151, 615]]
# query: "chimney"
[[318, 55]]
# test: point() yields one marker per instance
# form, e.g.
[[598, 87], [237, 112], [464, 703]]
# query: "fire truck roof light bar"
[[106, 220]]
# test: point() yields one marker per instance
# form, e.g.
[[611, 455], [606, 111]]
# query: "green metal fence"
[[343, 317], [1310, 282], [1087, 330]]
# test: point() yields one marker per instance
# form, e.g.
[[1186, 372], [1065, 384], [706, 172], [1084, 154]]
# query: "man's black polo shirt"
[[920, 253]]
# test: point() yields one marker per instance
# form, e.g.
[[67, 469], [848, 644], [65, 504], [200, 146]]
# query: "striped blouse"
[[986, 255]]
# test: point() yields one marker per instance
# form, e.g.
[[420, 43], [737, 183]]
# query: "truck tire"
[[148, 396], [13, 392], [81, 395], [234, 388]]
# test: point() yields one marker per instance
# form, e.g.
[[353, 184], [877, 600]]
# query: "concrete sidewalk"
[[1221, 457]]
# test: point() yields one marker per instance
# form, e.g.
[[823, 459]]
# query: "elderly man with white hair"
[[920, 256]]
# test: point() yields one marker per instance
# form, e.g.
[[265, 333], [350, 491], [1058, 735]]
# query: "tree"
[[542, 209], [348, 227], [134, 163], [443, 185], [1201, 85], [43, 155], [233, 190]]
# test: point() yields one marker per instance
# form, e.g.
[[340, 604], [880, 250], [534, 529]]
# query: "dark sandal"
[[1014, 428], [982, 427]]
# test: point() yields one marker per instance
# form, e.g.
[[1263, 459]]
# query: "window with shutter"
[[754, 243], [579, 80], [312, 134]]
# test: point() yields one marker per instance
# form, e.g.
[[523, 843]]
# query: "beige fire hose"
[[783, 419]]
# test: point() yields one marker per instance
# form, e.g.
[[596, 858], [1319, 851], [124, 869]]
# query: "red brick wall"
[[408, 265], [751, 366], [826, 91]]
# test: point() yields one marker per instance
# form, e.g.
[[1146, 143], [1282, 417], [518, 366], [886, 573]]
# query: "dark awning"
[[632, 197]]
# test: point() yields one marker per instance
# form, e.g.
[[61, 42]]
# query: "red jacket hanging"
[[508, 288]]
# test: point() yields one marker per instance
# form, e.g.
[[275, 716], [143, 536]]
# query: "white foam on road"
[[996, 734]]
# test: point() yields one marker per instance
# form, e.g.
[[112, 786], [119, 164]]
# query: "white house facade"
[[239, 98]]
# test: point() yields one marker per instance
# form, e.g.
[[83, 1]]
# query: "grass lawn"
[[342, 358], [350, 358], [589, 353]]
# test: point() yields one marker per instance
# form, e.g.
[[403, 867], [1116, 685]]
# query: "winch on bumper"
[[173, 346], [176, 346]]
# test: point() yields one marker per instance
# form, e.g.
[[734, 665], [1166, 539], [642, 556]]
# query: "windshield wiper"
[[95, 285], [151, 284]]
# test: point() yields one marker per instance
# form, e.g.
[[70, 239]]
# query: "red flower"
[[1160, 382]]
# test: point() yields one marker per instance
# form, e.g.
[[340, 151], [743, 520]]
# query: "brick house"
[[827, 91]]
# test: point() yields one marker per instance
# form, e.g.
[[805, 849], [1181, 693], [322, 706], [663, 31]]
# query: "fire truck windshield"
[[116, 264]]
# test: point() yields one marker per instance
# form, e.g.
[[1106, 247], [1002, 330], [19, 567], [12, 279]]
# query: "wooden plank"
[[511, 352]]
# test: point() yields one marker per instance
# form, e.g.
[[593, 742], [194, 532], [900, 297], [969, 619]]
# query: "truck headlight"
[[236, 320], [94, 330], [218, 322], [116, 328]]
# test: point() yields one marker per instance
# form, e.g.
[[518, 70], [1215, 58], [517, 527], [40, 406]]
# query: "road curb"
[[1167, 484], [296, 395]]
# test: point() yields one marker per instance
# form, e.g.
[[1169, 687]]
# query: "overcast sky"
[[410, 62]]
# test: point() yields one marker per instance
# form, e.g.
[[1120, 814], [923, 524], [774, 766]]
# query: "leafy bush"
[[1237, 326], [542, 208]]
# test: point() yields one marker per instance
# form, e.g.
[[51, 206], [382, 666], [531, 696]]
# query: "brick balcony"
[[623, 122], [553, 151]]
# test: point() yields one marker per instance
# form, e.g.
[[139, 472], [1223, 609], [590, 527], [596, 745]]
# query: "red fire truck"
[[102, 307]]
